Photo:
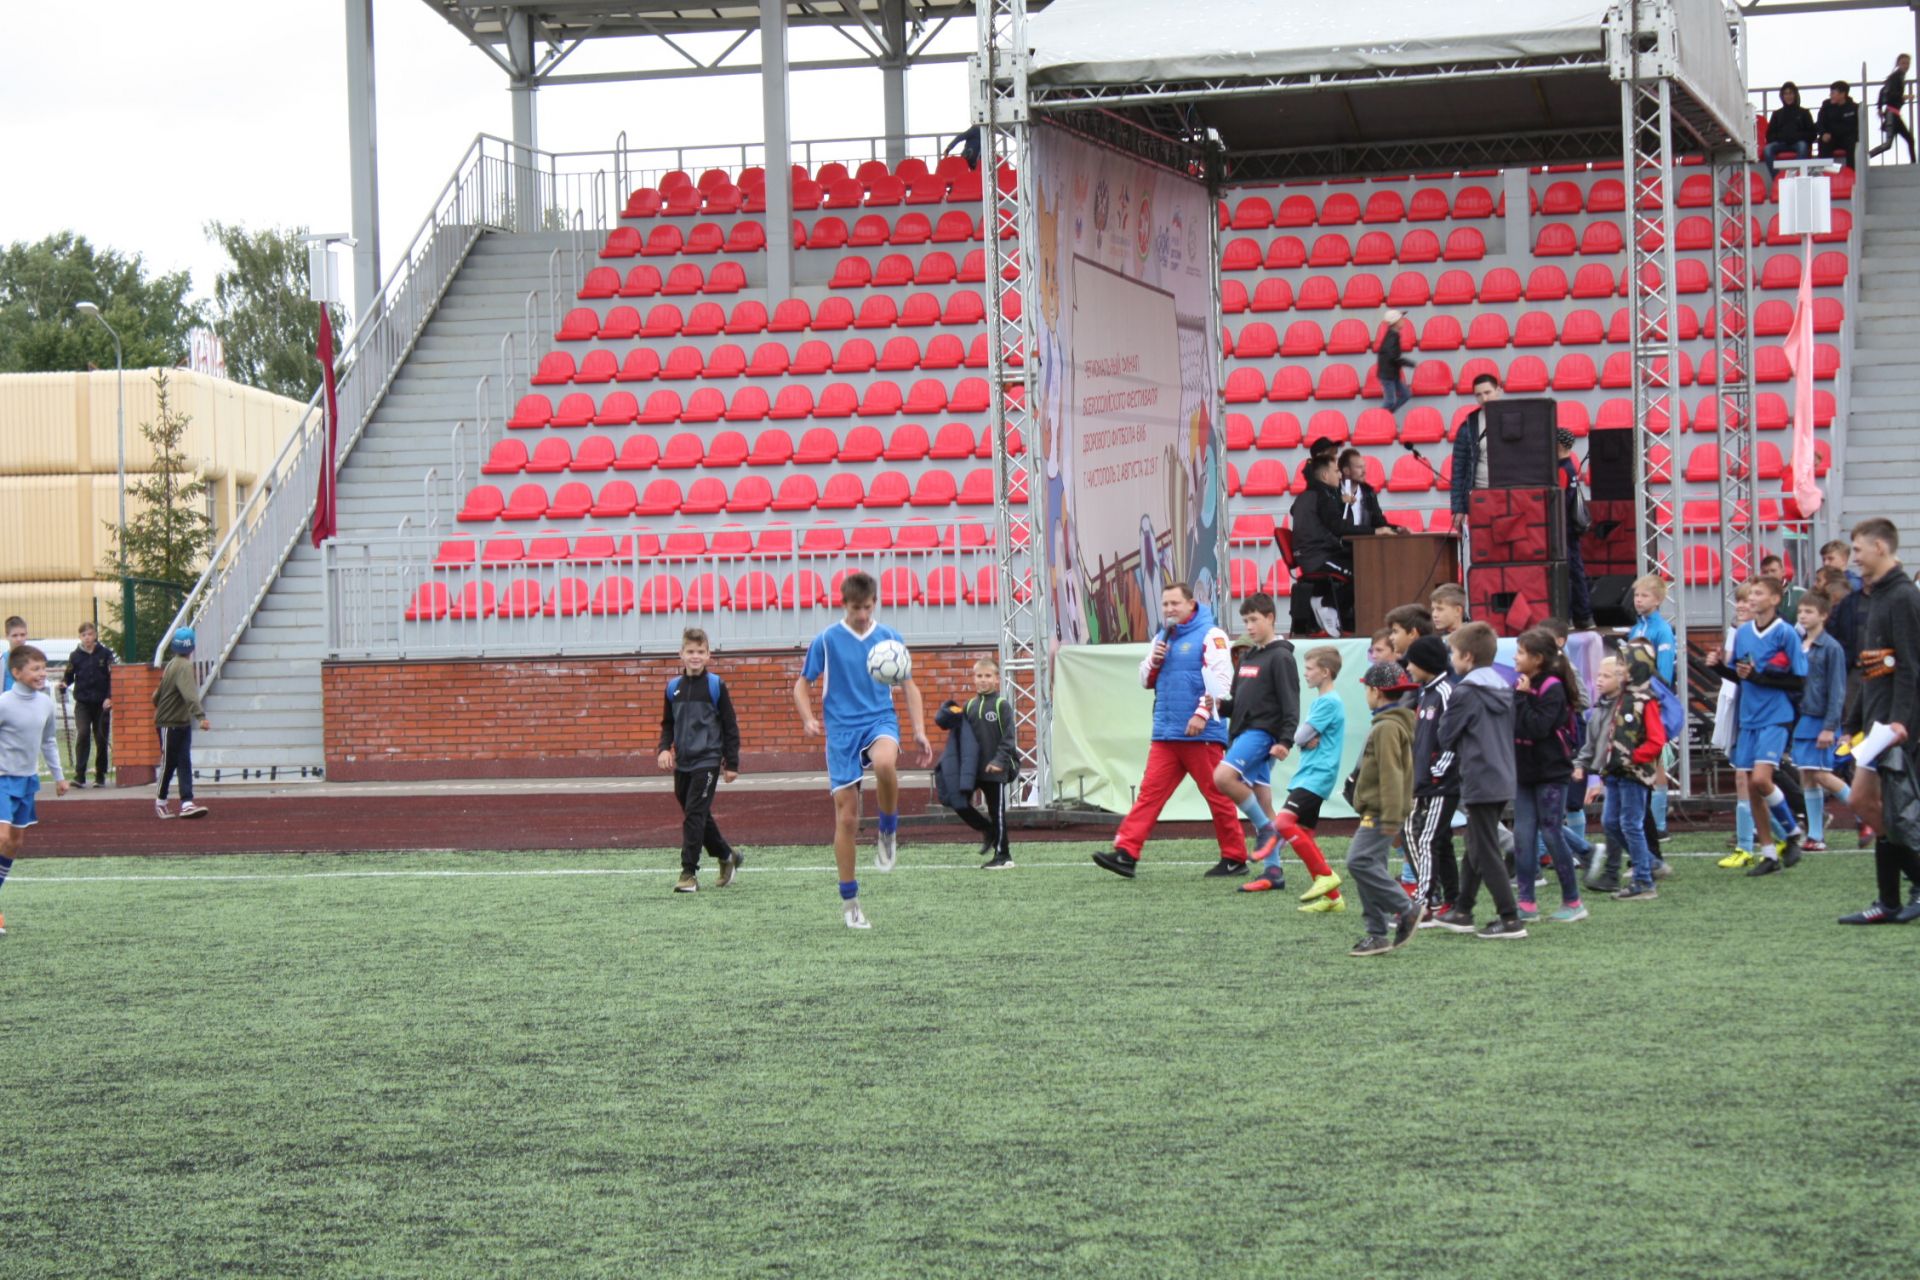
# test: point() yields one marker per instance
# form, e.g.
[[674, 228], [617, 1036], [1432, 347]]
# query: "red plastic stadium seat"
[[1527, 375], [1488, 332], [1373, 249], [476, 600], [1347, 338], [533, 411], [1286, 253], [1280, 430], [1595, 280], [1409, 289], [1317, 293], [1465, 244], [1829, 269], [1330, 250], [529, 502], [556, 367], [797, 492], [1384, 206], [1429, 204], [662, 498], [1339, 210], [644, 202], [1242, 254], [1410, 475], [1424, 425], [483, 503], [509, 457], [617, 500], [1253, 213], [576, 409], [1327, 424], [1295, 211], [802, 590], [1562, 198], [1575, 372], [1546, 284], [1601, 238], [1272, 294], [1374, 427], [1233, 297], [1453, 288], [599, 366], [1304, 338], [934, 489], [1338, 382], [1363, 292], [964, 307]]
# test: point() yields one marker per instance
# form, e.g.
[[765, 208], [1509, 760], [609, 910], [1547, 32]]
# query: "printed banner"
[[1127, 386]]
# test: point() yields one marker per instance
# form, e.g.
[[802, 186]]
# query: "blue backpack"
[[1673, 712], [713, 687]]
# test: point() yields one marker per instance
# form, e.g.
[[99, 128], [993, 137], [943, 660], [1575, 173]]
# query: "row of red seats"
[[709, 495], [772, 447], [770, 359], [896, 270], [1464, 244], [1558, 239], [882, 397], [956, 226], [839, 193], [880, 311], [1547, 283], [1489, 331], [774, 541], [899, 585], [1523, 375], [754, 177]]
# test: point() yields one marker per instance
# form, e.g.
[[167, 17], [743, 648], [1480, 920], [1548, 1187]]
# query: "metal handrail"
[[479, 194]]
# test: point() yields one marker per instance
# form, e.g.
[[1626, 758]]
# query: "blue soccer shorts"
[[1248, 757], [1762, 744], [17, 792], [1806, 754], [848, 746]]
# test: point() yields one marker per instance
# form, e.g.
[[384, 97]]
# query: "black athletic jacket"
[[1427, 710], [1893, 91], [89, 675], [1891, 636], [1317, 515], [1266, 693], [1791, 124], [698, 723]]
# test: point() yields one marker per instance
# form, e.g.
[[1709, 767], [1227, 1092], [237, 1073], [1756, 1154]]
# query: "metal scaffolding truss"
[[1733, 370], [1000, 110]]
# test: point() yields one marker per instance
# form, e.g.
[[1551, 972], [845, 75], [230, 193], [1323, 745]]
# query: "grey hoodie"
[[1476, 736], [27, 732]]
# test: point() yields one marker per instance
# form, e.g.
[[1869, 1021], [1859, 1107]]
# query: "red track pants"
[[1167, 763]]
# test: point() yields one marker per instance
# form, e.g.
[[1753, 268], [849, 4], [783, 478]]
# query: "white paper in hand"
[[1878, 739]]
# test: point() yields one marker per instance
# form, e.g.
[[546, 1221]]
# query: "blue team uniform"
[[1765, 714], [1319, 769], [856, 709], [1658, 633]]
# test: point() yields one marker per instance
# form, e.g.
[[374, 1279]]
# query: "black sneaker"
[[1908, 914], [1371, 944], [1873, 913], [1790, 855], [79, 784], [1636, 893], [1604, 882], [1118, 861], [1454, 920], [1764, 867], [1226, 867], [1408, 923], [1497, 930], [999, 862]]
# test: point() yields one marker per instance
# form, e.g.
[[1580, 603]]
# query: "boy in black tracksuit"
[[1263, 713], [981, 756], [1428, 835], [700, 742]]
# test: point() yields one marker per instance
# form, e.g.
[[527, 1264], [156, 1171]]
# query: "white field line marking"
[[551, 872]]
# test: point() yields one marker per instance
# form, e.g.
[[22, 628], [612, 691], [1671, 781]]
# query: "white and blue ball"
[[889, 663]]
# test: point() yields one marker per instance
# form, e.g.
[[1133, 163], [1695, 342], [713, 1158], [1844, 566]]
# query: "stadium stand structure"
[[1883, 476], [676, 446]]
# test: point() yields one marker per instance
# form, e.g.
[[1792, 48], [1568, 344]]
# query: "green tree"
[[268, 326], [41, 332], [167, 537]]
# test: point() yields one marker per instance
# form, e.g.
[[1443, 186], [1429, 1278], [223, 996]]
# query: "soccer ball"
[[889, 662]]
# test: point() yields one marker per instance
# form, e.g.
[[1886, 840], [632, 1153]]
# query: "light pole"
[[120, 541]]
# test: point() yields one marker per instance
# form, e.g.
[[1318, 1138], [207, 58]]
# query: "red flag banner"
[[325, 510], [1806, 494]]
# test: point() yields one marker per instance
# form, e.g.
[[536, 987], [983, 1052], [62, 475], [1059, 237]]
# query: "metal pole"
[[773, 106], [893, 79], [362, 162], [127, 641]]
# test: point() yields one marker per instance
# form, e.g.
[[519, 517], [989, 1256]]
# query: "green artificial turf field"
[[264, 1066]]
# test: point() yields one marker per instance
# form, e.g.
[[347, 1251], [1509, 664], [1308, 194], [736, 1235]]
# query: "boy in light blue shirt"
[[1320, 739]]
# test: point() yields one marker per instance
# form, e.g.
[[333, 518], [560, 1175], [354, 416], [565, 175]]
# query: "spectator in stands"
[[700, 742], [1393, 363], [1470, 450], [1319, 553], [1790, 129], [1578, 522], [1190, 670], [1359, 504], [1890, 646], [969, 144], [89, 673], [1892, 99], [1839, 124]]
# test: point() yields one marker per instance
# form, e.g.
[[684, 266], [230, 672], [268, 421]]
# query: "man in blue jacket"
[[1190, 670]]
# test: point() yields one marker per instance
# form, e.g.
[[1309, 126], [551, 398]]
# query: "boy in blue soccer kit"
[[861, 729], [26, 732], [1320, 739], [1822, 702], [1771, 668], [1263, 711]]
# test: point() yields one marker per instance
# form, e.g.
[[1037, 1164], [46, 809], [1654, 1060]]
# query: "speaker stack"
[[1516, 526], [1608, 549]]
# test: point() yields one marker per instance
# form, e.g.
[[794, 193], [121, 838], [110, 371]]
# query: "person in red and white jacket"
[[1190, 670]]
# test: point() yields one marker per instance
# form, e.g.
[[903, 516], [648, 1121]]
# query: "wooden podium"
[[1392, 570]]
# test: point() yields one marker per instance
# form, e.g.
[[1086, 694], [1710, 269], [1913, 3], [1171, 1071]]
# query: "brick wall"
[[136, 749], [569, 717]]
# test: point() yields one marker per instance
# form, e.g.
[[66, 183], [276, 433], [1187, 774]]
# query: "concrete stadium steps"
[[265, 705], [1882, 468]]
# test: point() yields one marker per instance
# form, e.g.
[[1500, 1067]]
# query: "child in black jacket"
[[981, 756], [1543, 740], [700, 742]]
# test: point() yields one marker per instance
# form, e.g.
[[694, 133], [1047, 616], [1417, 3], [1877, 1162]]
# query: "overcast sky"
[[160, 114]]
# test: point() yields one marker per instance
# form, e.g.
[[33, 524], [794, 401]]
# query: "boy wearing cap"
[[1577, 522], [176, 705], [1382, 796]]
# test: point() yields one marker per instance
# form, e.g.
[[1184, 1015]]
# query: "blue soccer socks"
[[1816, 814], [889, 823], [1659, 807], [1743, 825], [849, 890], [1781, 812]]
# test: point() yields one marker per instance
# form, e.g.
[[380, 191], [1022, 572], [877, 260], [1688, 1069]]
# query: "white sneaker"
[[188, 809], [856, 918], [887, 852], [160, 809]]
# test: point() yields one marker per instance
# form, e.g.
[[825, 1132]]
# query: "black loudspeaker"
[[1613, 598], [1610, 465], [1520, 443]]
